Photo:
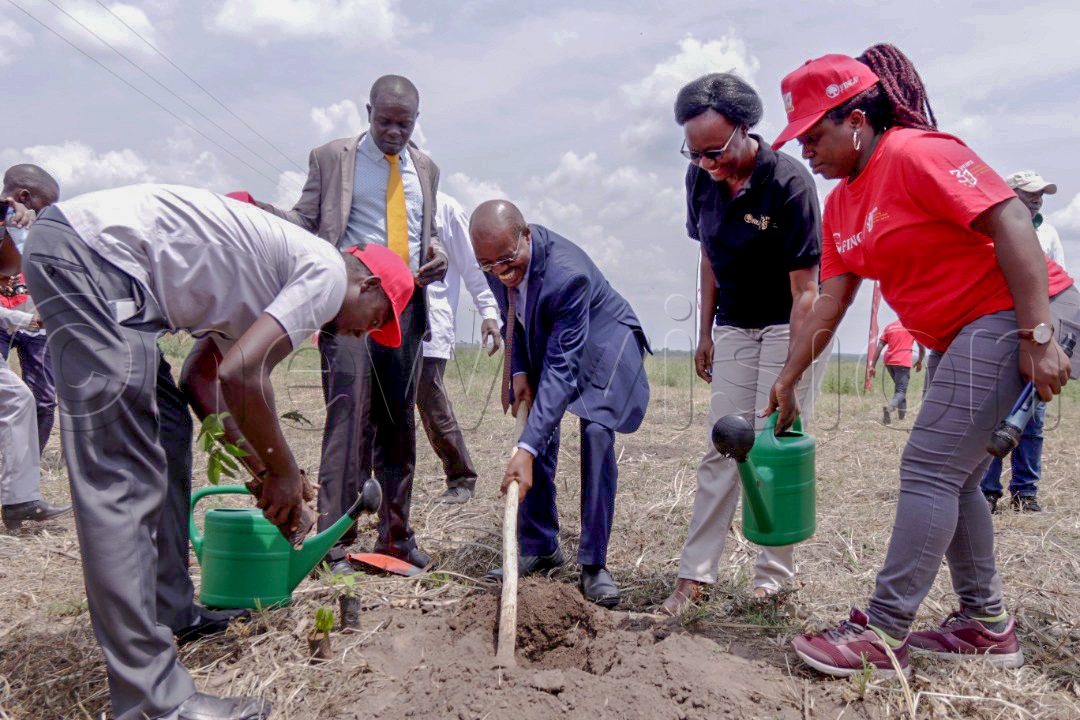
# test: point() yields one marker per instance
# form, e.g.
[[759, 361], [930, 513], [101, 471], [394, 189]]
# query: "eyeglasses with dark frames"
[[715, 155]]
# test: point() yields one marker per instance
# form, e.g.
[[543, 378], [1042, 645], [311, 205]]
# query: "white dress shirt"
[[452, 224], [1051, 243]]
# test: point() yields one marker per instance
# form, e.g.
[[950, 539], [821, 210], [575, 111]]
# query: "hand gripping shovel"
[[504, 656]]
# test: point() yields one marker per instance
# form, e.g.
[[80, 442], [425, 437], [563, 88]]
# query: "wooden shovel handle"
[[504, 657]]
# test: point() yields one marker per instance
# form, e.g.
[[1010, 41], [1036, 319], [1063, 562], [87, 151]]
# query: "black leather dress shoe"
[[455, 496], [532, 565], [597, 586], [15, 515], [210, 622], [420, 559], [209, 707]]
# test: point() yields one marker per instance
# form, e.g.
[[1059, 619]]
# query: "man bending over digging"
[[109, 272]]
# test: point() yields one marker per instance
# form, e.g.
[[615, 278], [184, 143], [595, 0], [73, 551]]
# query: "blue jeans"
[[37, 373], [1026, 461]]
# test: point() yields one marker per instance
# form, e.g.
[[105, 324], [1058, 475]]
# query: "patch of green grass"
[[70, 609]]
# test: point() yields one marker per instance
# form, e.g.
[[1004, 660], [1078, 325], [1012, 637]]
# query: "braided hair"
[[899, 98]]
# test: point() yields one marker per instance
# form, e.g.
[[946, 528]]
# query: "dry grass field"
[[50, 666]]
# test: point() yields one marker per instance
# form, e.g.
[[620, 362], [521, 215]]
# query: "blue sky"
[[563, 107]]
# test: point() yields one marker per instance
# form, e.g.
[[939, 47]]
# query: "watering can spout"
[[311, 553], [733, 437]]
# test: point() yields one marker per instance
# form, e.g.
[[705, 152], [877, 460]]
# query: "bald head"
[[394, 86], [501, 240], [392, 111], [31, 185]]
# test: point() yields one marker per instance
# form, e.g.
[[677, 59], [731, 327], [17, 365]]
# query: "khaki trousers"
[[746, 362]]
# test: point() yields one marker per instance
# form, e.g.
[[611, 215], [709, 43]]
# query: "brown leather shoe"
[[685, 592]]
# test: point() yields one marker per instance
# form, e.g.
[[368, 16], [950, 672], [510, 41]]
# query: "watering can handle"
[[770, 424], [193, 531]]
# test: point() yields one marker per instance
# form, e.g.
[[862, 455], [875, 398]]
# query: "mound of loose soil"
[[575, 660]]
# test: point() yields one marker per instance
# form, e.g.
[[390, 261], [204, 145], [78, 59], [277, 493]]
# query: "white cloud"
[[79, 168], [350, 22], [1068, 218], [13, 40], [652, 96], [573, 169], [91, 16], [469, 191], [341, 119], [288, 189]]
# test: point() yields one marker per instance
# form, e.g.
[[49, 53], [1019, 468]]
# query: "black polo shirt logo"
[[761, 223]]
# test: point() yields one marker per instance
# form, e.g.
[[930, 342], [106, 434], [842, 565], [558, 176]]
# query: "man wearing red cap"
[[109, 272]]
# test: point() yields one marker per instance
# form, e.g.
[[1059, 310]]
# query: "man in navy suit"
[[574, 344]]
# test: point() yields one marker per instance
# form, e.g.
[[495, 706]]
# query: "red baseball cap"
[[817, 87], [241, 195], [397, 283]]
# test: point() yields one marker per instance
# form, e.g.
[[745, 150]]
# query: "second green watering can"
[[246, 561], [777, 474]]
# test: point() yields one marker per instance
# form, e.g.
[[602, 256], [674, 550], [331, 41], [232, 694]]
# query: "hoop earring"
[[855, 141]]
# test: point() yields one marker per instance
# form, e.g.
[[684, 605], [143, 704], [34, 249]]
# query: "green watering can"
[[777, 473], [247, 562]]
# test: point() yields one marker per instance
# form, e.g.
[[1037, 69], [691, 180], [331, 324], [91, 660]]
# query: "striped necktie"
[[397, 226]]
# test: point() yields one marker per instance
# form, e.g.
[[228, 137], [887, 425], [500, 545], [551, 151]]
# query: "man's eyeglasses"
[[490, 266], [695, 157]]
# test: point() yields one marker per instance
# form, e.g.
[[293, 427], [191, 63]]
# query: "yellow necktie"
[[397, 225]]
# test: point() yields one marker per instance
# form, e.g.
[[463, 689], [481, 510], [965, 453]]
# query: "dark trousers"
[[441, 426], [107, 385], [370, 394], [538, 519], [1026, 461], [901, 377], [37, 373], [175, 591]]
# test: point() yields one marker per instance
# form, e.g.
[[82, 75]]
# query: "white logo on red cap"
[[788, 105], [834, 90]]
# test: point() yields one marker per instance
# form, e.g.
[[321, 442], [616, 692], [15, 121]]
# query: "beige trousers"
[[745, 365]]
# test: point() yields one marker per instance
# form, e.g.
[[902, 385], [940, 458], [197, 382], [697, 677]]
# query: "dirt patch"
[[575, 660]]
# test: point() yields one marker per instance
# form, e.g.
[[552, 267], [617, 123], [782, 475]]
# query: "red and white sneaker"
[[962, 637], [847, 650]]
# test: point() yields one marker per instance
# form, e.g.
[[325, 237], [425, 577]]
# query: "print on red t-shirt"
[[905, 221]]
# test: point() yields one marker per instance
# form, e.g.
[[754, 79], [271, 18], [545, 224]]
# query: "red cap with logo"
[[397, 282], [817, 87]]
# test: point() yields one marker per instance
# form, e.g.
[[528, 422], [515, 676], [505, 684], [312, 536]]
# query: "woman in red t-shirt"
[[957, 257]]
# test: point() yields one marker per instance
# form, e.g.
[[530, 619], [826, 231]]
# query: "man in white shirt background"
[[436, 412], [1026, 458]]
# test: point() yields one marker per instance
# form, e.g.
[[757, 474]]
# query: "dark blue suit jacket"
[[584, 347]]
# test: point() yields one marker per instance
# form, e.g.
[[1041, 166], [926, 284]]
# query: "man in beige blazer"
[[370, 390]]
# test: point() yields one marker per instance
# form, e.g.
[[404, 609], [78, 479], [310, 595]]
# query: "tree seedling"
[[319, 641], [221, 456], [348, 602]]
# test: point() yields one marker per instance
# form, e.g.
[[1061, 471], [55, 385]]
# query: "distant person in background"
[[754, 213], [436, 412], [898, 363], [35, 188], [22, 432], [1030, 187]]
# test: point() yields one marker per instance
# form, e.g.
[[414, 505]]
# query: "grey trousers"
[[20, 479], [941, 512], [901, 377], [746, 363], [441, 425], [106, 379]]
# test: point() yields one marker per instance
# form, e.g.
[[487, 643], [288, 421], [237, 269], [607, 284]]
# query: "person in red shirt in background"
[[898, 363], [957, 258]]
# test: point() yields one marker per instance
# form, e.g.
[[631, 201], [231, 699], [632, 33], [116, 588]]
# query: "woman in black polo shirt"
[[755, 213]]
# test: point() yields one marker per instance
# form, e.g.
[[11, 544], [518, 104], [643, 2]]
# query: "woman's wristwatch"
[[1040, 334]]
